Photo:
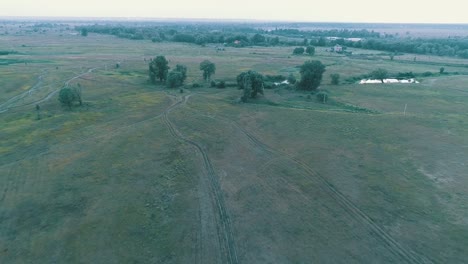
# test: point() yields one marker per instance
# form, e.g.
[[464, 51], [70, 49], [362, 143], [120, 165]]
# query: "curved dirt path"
[[8, 106], [394, 246], [225, 235], [11, 101]]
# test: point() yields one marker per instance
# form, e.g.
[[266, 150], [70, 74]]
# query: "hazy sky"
[[420, 11]]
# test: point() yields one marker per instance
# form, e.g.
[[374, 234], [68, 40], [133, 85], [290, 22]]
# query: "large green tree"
[[69, 95], [379, 74], [252, 83], [208, 69], [310, 50], [174, 79], [257, 38], [183, 70], [158, 69], [311, 75], [177, 76], [298, 51]]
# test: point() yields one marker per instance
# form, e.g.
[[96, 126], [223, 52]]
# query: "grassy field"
[[144, 174]]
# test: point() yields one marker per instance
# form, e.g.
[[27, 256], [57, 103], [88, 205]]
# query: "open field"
[[144, 174]]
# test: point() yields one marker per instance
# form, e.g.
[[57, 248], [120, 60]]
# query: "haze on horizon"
[[396, 11]]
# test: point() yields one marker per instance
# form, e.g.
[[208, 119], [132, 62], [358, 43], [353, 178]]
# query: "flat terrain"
[[145, 174]]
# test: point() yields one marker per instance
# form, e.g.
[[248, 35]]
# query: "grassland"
[[144, 174]]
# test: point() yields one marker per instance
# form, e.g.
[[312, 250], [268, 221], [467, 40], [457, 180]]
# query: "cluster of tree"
[[70, 95], [253, 83], [300, 50], [159, 70], [208, 69], [177, 76], [6, 52], [340, 33], [441, 47], [236, 36]]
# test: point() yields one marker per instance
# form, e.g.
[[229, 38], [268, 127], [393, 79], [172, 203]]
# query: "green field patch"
[[136, 100], [4, 62]]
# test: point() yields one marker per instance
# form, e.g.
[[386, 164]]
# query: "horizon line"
[[238, 20]]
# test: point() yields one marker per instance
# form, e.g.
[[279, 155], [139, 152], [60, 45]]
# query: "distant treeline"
[[231, 35], [440, 46], [241, 36], [340, 33]]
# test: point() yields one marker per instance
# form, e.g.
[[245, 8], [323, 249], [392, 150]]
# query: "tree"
[[69, 95], [441, 70], [158, 69], [183, 70], [208, 69], [174, 79], [379, 74], [177, 76], [84, 32], [322, 42], [274, 41], [298, 51], [311, 75], [291, 79], [310, 50], [257, 38], [322, 96], [335, 78], [252, 83]]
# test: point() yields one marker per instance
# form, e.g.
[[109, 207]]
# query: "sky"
[[390, 11]]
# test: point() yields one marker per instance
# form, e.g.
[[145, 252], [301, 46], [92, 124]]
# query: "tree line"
[[251, 82], [239, 36]]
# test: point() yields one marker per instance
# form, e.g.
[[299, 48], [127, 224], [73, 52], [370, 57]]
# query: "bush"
[[212, 84], [221, 84], [196, 85], [322, 96], [335, 78], [298, 51], [291, 79], [274, 78], [407, 75], [427, 74], [310, 50]]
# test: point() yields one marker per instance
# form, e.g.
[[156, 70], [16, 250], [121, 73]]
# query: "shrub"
[[322, 96], [274, 78], [221, 84], [196, 85], [427, 74], [310, 50], [212, 84], [298, 51], [335, 78]]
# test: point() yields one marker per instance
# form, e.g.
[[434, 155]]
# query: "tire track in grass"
[[394, 246], [406, 253], [225, 235], [7, 105], [96, 135], [6, 183]]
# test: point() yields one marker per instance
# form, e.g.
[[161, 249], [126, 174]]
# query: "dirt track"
[[404, 253], [225, 234]]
